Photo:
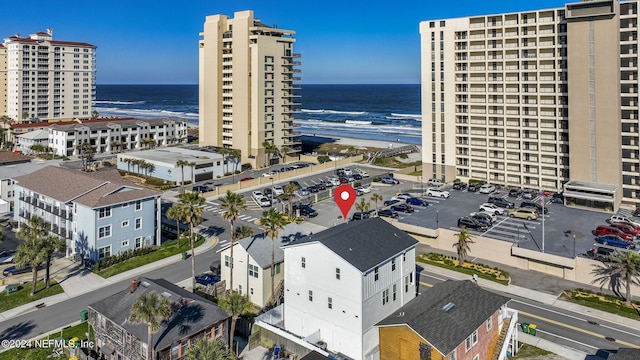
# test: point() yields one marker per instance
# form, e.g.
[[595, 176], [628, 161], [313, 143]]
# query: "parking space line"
[[513, 234]]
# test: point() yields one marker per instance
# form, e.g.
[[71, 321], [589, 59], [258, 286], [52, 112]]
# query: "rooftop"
[[8, 157], [259, 246], [104, 124], [170, 155], [14, 170], [35, 135]]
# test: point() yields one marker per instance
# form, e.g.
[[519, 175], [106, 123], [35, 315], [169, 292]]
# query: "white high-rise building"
[[46, 80]]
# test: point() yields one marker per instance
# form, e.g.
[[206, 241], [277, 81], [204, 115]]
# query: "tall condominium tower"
[[46, 80], [247, 87], [541, 99]]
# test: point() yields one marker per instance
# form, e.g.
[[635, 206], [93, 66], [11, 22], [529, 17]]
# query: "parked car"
[[270, 174], [402, 196], [357, 176], [534, 205], [278, 190], [416, 201], [246, 178], [487, 189], [619, 218], [503, 203], [329, 183], [334, 181], [388, 213], [403, 208], [389, 180], [616, 241], [471, 223], [321, 186], [303, 192], [529, 194], [437, 193], [361, 215], [306, 210], [524, 213], [207, 279], [600, 253], [313, 188], [459, 185], [626, 228], [557, 198], [359, 192], [492, 216], [6, 256], [362, 173], [257, 194], [296, 184], [343, 180], [483, 217], [15, 270], [435, 182], [365, 189], [391, 202], [609, 230], [515, 192], [474, 187], [636, 212], [491, 208]]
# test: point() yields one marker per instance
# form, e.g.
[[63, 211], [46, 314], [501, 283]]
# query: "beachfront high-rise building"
[[540, 99], [248, 91], [42, 79]]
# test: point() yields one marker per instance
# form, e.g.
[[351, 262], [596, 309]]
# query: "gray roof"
[[364, 244], [35, 135], [259, 246], [105, 124], [170, 155], [15, 170], [193, 313], [472, 306], [625, 354]]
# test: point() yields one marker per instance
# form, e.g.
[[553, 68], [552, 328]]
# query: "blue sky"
[[341, 42]]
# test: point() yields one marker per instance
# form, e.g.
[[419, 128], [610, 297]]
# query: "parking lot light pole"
[[437, 220], [574, 244]]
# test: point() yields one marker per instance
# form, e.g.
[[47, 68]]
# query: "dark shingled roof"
[[314, 355], [625, 354], [425, 314], [364, 244], [195, 313], [9, 158]]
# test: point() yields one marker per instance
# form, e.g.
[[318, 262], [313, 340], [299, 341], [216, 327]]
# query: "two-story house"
[[99, 214], [252, 263], [192, 317], [9, 162], [342, 281], [453, 320]]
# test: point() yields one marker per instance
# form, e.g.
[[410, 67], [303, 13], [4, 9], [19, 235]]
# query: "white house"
[[252, 263], [25, 141], [342, 281]]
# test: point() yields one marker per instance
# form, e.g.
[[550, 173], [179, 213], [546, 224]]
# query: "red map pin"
[[345, 197]]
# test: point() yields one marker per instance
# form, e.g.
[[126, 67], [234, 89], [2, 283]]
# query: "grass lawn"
[[78, 331], [483, 271], [528, 351], [22, 297], [603, 302], [395, 163], [416, 173], [166, 250]]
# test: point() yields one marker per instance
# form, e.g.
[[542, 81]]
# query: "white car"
[[491, 209], [402, 197], [434, 182], [269, 174], [263, 201], [619, 218], [487, 189], [277, 190], [257, 194], [437, 193], [362, 173], [334, 181], [365, 189]]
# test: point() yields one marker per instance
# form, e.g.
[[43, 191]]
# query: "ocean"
[[377, 112]]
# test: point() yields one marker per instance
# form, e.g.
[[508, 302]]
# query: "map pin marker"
[[345, 197]]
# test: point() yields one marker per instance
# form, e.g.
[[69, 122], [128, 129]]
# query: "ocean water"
[[377, 112]]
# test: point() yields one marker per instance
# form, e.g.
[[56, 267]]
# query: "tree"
[[272, 222], [128, 162], [192, 209], [181, 164], [31, 252], [363, 205], [86, 152], [269, 150], [150, 309], [232, 204], [51, 244], [94, 115], [288, 194], [207, 349], [224, 152], [175, 213], [37, 148], [463, 245], [284, 151], [236, 305], [621, 267], [376, 198], [241, 232]]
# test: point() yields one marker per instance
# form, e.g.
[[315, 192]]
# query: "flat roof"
[[170, 155], [584, 185], [15, 170]]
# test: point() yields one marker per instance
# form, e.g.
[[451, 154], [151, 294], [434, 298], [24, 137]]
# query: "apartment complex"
[[248, 91], [541, 99], [44, 79]]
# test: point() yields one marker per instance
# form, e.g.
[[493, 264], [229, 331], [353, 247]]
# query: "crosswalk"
[[214, 207], [513, 230]]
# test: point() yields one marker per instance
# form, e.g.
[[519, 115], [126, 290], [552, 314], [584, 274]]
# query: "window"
[[393, 264], [310, 295], [125, 223], [330, 303], [338, 273], [104, 231], [406, 284], [251, 291], [376, 276], [240, 289], [138, 205], [104, 213], [104, 252], [477, 357], [138, 223], [138, 241], [125, 243], [471, 340], [489, 324], [278, 268], [227, 260], [304, 263], [253, 271], [385, 296], [394, 292], [125, 205], [453, 355], [404, 257]]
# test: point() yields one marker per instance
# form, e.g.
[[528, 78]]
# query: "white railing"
[[511, 338]]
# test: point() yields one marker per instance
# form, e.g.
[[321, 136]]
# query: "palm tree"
[[192, 209], [31, 252], [289, 193], [284, 151], [232, 204], [363, 206], [175, 213], [272, 222], [375, 198], [236, 305], [181, 164], [208, 349], [235, 154], [269, 150], [150, 309], [621, 267], [463, 245], [128, 162], [224, 152], [51, 244]]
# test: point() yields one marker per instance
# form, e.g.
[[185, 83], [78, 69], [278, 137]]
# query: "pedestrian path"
[[215, 208]]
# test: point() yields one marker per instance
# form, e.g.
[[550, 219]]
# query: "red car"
[[627, 228], [609, 230], [246, 178]]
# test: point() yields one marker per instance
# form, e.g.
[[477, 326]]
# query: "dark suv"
[[470, 223], [306, 210], [534, 205], [498, 201], [361, 215]]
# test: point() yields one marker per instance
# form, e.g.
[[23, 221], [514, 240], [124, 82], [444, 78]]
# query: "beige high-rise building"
[[540, 99], [42, 79], [248, 91]]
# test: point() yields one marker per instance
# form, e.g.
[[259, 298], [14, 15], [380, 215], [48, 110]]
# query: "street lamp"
[[574, 244], [437, 220]]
